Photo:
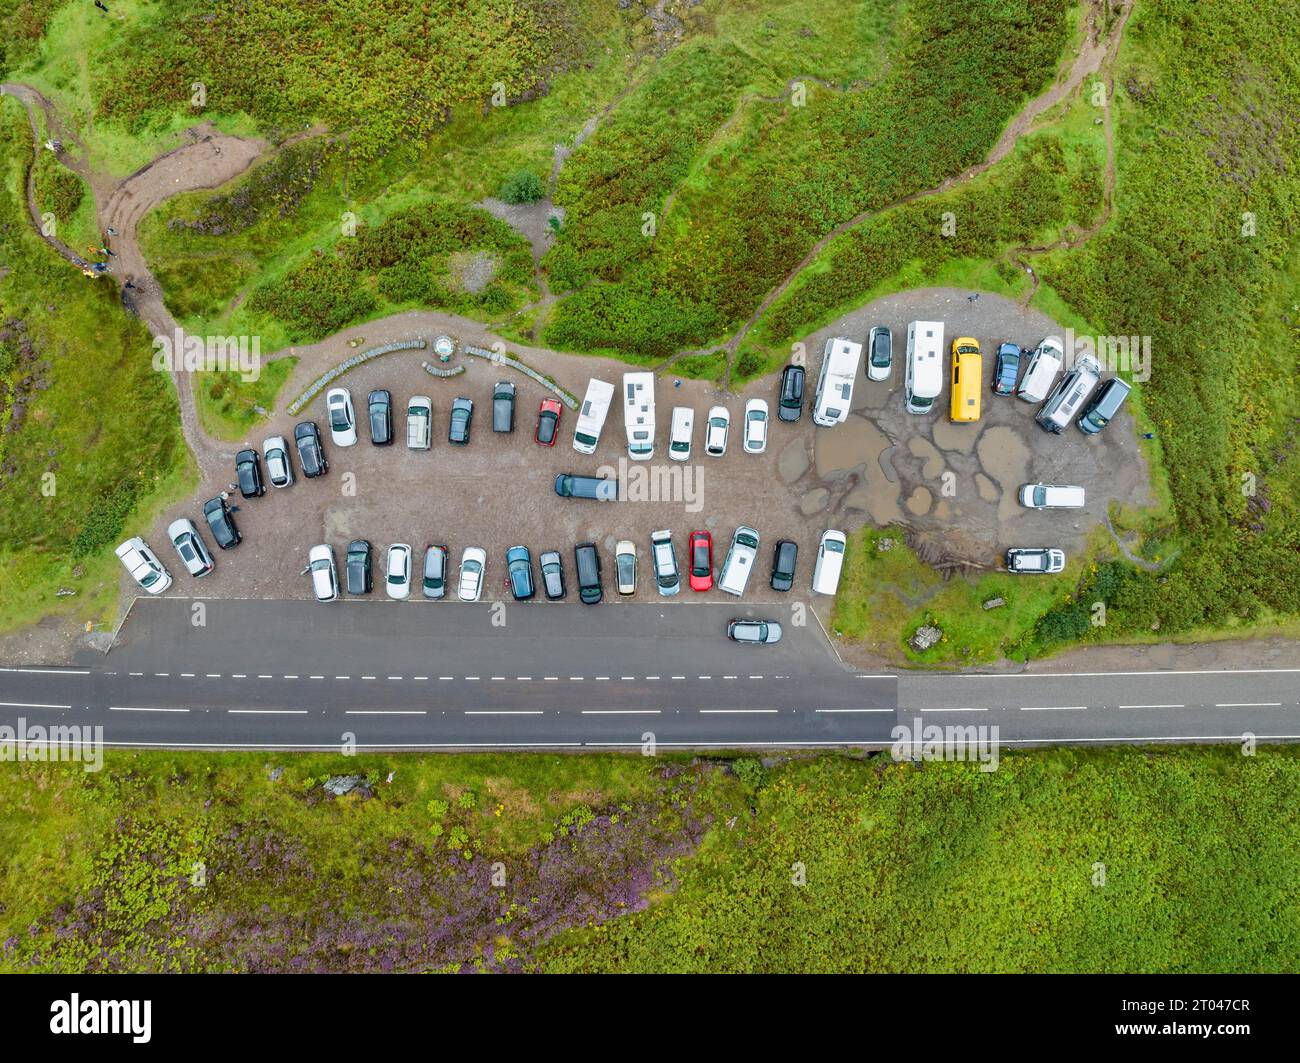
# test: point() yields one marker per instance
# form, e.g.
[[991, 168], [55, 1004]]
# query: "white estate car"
[[343, 422], [1052, 496], [279, 467], [679, 438], [472, 563], [755, 426], [324, 576], [397, 578], [144, 566], [715, 432]]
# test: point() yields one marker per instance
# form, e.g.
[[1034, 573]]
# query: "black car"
[[311, 455], [1006, 367], [462, 413], [519, 569], [357, 567], [787, 552], [221, 522], [380, 405], [587, 561], [503, 407], [790, 404], [552, 574], [248, 472]]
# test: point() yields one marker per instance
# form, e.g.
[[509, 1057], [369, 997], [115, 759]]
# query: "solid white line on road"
[[385, 712], [853, 710], [735, 711], [621, 712], [130, 708], [859, 677], [1248, 705], [54, 671], [267, 712], [1052, 708], [1153, 706], [1092, 675], [31, 705], [503, 712]]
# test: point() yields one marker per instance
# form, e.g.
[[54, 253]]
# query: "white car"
[[715, 432], [625, 566], [397, 580], [472, 563], [144, 566], [190, 547], [279, 467], [324, 576], [343, 422], [1052, 496], [755, 426], [1035, 560], [679, 439]]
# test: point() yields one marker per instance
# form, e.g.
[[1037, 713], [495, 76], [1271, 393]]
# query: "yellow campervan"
[[967, 379]]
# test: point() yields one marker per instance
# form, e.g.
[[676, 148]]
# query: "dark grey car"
[[311, 455], [462, 413], [434, 583], [503, 407]]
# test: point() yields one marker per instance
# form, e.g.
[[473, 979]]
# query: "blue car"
[[519, 566], [1006, 367]]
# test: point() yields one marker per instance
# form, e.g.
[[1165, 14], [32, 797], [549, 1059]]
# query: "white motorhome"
[[924, 377], [639, 415], [840, 362], [591, 416]]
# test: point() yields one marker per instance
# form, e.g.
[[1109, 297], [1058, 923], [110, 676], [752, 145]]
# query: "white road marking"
[[267, 712], [1052, 708], [164, 675], [214, 675], [31, 705], [385, 712], [735, 711], [950, 710], [575, 679], [652, 677], [420, 678], [342, 677], [621, 712], [394, 677], [187, 675], [239, 675], [54, 671], [291, 677], [503, 712], [1248, 705], [315, 677], [266, 677], [850, 710], [679, 677], [472, 678], [129, 708], [1153, 706]]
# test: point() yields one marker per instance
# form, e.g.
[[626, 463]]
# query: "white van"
[[591, 416], [739, 562], [1044, 364], [1051, 496], [830, 560], [835, 383], [1070, 394], [679, 436], [639, 415], [924, 376]]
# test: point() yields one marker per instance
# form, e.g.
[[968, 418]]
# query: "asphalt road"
[[287, 674]]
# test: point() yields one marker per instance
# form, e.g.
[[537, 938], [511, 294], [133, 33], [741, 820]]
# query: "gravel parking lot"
[[883, 465]]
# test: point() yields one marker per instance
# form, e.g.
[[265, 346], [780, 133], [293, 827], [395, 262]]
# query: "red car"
[[700, 551], [548, 422]]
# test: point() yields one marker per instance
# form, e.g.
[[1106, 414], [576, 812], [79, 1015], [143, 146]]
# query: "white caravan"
[[591, 416], [840, 362], [639, 415], [924, 378]]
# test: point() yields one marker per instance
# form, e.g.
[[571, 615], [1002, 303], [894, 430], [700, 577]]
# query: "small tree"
[[523, 187]]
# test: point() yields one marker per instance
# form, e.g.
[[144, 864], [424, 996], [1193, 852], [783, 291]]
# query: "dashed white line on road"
[[755, 677], [187, 675], [575, 679], [315, 677], [130, 708], [735, 711], [728, 677], [394, 677], [385, 712], [1248, 705], [445, 678], [367, 677], [652, 677], [679, 677], [165, 675], [503, 712], [1153, 706], [954, 710], [621, 712], [704, 677], [523, 678], [850, 710], [498, 679], [1051, 708], [472, 678], [135, 673], [31, 705], [214, 675], [602, 679], [291, 677], [239, 675], [266, 677], [420, 678], [267, 712], [551, 678], [342, 677]]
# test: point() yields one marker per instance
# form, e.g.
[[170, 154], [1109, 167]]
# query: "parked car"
[[472, 563], [248, 474], [789, 404], [190, 547], [701, 553], [679, 435], [755, 426], [503, 407], [548, 422], [830, 562], [324, 577], [462, 414], [221, 523], [783, 562], [754, 632], [434, 584], [1104, 405], [356, 567], [715, 432], [379, 405], [739, 561], [343, 422], [586, 559], [1051, 496], [144, 566], [625, 566], [311, 454], [1035, 560], [599, 488], [1044, 364], [279, 466], [1006, 368], [519, 573], [419, 422], [397, 575], [552, 574], [880, 353], [667, 579]]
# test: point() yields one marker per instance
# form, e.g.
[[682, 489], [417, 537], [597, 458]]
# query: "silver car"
[[190, 547], [279, 467]]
